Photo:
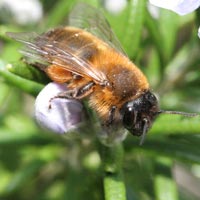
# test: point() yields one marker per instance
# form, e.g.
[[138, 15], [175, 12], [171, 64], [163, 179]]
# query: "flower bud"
[[59, 115]]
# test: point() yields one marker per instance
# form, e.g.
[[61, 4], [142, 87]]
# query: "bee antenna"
[[144, 132], [178, 113]]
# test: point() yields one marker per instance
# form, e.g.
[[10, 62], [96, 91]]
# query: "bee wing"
[[92, 20], [30, 51], [42, 50]]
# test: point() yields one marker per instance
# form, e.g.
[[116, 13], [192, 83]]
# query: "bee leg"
[[84, 91], [111, 116], [77, 93], [62, 95]]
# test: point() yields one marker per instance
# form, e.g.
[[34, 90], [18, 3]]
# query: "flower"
[[181, 7], [63, 116]]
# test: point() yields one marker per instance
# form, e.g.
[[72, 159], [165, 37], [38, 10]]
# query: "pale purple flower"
[[181, 7], [64, 114]]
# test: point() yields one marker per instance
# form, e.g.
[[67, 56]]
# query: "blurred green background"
[[35, 164]]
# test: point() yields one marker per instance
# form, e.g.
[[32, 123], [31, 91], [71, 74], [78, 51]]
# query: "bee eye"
[[128, 118], [151, 98]]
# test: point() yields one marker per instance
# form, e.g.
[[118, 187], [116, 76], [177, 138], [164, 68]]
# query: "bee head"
[[139, 114]]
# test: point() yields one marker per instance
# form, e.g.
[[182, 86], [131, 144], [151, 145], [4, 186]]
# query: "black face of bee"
[[139, 114]]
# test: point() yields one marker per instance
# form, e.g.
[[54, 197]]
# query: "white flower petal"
[[181, 7], [64, 114]]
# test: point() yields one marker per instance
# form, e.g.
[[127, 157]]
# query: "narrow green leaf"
[[152, 70], [155, 36], [174, 148], [168, 25], [8, 138], [133, 26], [178, 67], [175, 124]]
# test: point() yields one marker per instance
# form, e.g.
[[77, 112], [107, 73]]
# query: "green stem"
[[28, 86], [114, 186]]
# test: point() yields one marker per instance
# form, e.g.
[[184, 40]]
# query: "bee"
[[87, 56]]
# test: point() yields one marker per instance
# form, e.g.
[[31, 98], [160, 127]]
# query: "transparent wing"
[[43, 50], [92, 20]]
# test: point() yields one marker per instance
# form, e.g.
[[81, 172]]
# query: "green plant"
[[37, 165]]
